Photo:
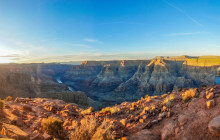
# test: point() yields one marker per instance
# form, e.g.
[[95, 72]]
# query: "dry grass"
[[147, 98], [52, 125], [104, 131], [2, 104], [189, 94], [87, 111], [111, 110], [86, 130], [9, 98], [168, 100]]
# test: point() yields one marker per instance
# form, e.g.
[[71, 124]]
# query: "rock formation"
[[166, 117]]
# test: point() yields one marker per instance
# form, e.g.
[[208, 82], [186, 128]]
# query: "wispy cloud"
[[92, 40], [185, 34], [184, 13], [81, 45]]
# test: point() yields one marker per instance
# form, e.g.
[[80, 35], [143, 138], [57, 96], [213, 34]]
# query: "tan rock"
[[182, 118], [35, 135], [27, 108], [13, 131], [46, 136], [142, 135], [210, 104], [168, 131], [214, 126]]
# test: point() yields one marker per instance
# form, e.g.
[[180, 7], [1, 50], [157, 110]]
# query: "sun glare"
[[6, 55]]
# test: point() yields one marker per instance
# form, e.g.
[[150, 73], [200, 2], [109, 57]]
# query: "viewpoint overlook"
[[162, 98]]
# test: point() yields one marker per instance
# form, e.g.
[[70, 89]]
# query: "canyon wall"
[[107, 82], [117, 81]]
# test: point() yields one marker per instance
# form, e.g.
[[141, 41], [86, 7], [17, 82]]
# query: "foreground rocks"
[[14, 132], [214, 126], [166, 117]]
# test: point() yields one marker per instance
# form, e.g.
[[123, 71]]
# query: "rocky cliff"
[[186, 114], [117, 81], [108, 82]]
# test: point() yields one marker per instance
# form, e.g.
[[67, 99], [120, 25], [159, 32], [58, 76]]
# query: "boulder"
[[27, 108], [182, 118], [14, 132], [46, 136], [142, 135], [214, 126], [35, 135], [168, 131]]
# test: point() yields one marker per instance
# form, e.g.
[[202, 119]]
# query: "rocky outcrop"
[[165, 117], [214, 126], [14, 132], [108, 82]]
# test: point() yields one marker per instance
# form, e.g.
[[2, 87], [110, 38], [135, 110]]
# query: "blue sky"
[[72, 30]]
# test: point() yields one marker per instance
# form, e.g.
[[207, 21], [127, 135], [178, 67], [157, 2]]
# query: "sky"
[[78, 30]]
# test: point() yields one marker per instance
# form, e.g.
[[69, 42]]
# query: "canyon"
[[104, 83]]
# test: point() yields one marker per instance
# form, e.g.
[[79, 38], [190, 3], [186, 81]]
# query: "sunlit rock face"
[[109, 82], [129, 80]]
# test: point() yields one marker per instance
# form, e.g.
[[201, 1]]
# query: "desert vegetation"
[[111, 110], [187, 95], [87, 111], [52, 125], [168, 100], [2, 104], [9, 98]]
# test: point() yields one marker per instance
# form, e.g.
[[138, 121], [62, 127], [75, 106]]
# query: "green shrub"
[[9, 98], [52, 125]]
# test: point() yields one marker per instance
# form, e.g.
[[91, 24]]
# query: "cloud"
[[92, 40], [81, 45], [184, 13], [10, 56], [185, 34]]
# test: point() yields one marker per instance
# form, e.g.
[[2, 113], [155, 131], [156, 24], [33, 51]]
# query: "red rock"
[[46, 136], [27, 108], [13, 131], [214, 126], [35, 135], [142, 135], [168, 130]]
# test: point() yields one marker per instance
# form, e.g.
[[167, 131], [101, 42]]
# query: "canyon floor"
[[186, 114]]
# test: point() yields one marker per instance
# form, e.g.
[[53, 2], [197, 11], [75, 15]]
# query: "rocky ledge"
[[185, 114]]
